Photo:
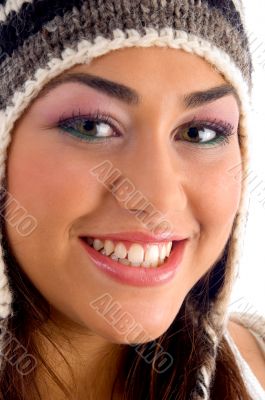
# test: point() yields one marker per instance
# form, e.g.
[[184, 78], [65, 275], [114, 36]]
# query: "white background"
[[249, 291]]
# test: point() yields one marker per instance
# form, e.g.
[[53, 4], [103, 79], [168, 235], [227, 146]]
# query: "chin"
[[130, 334]]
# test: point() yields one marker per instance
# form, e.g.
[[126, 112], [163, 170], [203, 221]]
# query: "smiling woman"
[[127, 148]]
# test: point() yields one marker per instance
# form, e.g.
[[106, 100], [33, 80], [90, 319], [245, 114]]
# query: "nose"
[[153, 178]]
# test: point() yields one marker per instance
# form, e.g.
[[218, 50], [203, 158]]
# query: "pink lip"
[[138, 276], [138, 237]]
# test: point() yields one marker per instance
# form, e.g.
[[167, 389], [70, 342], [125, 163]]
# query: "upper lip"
[[138, 237]]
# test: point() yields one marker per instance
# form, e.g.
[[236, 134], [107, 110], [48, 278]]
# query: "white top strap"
[[256, 325]]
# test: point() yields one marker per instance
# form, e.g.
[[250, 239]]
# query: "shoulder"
[[249, 348]]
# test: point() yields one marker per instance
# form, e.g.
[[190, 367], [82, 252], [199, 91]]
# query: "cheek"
[[216, 191], [223, 193], [216, 198], [53, 185]]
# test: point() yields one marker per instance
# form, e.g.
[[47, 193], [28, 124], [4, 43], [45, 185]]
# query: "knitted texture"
[[41, 39], [51, 29]]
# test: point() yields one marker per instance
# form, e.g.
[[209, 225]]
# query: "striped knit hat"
[[39, 39]]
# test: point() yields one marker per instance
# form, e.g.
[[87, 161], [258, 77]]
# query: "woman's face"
[[184, 173]]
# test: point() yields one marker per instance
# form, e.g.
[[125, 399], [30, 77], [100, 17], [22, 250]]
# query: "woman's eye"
[[94, 128], [206, 135], [89, 128], [199, 135]]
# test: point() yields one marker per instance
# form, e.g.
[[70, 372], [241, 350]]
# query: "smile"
[[133, 254], [145, 264]]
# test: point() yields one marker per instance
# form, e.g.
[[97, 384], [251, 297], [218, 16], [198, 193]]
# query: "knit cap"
[[39, 39]]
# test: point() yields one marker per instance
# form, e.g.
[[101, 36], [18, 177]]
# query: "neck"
[[92, 361]]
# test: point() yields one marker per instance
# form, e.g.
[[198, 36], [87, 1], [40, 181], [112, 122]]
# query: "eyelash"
[[223, 129]]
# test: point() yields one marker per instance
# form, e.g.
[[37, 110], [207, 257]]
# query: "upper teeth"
[[152, 255]]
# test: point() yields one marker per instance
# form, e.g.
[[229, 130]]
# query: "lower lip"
[[138, 276]]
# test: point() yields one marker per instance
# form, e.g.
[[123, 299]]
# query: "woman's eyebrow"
[[110, 88], [130, 96], [199, 98]]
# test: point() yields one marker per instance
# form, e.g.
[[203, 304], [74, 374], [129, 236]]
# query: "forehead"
[[146, 68]]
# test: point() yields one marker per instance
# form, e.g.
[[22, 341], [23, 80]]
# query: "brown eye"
[[205, 133], [93, 128], [199, 135]]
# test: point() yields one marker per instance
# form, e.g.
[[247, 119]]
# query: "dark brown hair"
[[185, 340]]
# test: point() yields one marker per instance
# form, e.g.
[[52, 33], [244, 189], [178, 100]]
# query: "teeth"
[[120, 250], [98, 244], [168, 247], [152, 255], [154, 263], [135, 264], [136, 256], [163, 252], [136, 253], [146, 264], [109, 247], [124, 261]]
